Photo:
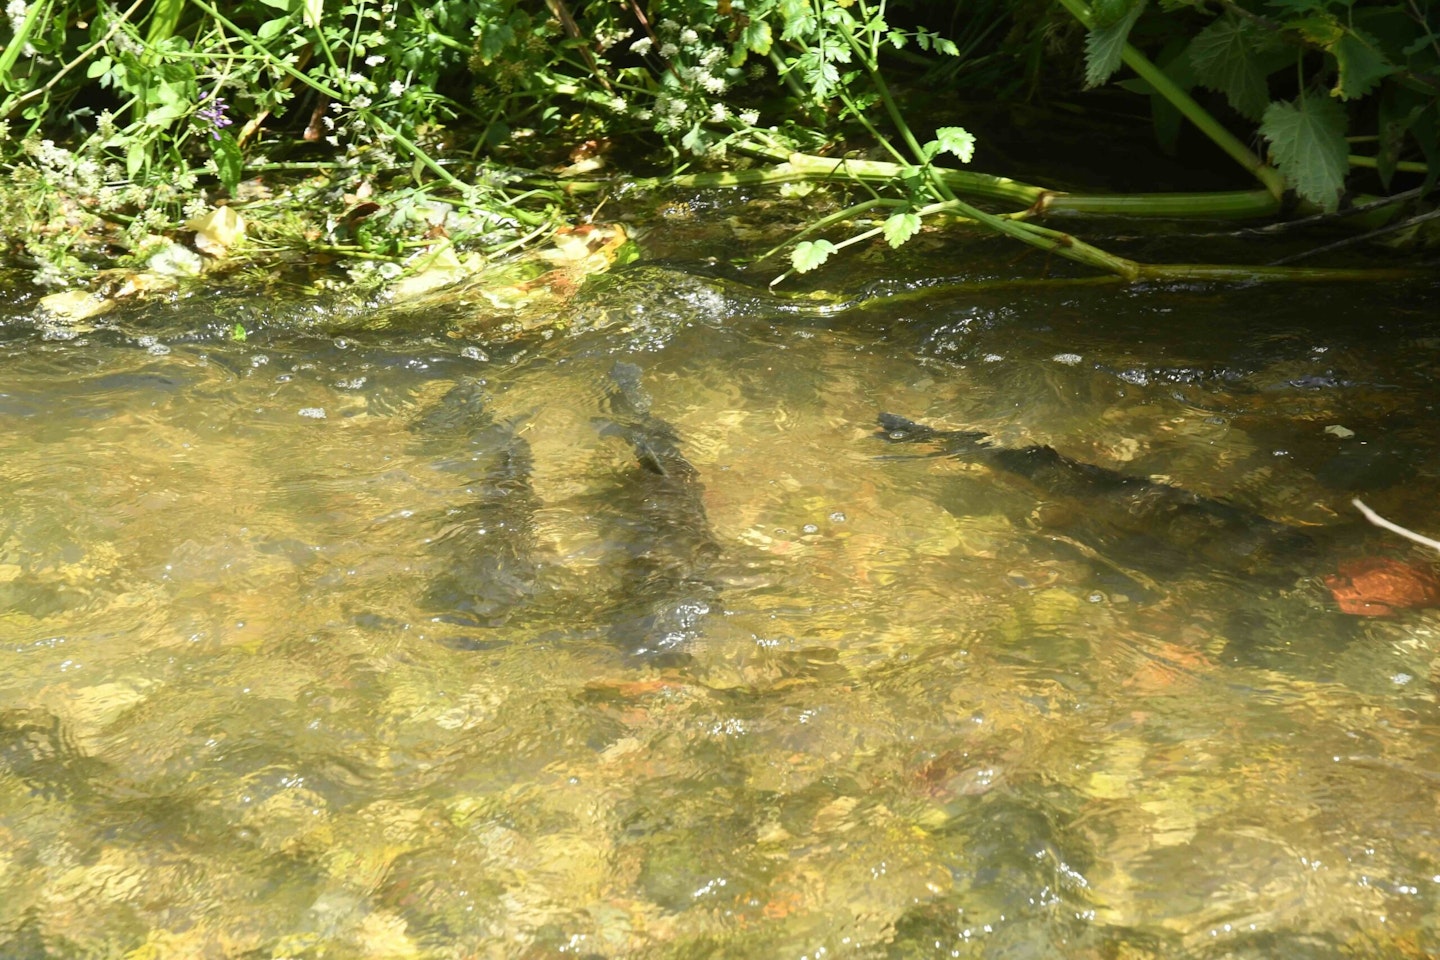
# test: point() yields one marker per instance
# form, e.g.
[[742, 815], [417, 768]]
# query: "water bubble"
[[474, 353], [810, 528], [1069, 359], [837, 517], [157, 349], [314, 413]]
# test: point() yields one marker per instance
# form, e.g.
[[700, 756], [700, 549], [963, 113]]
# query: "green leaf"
[[228, 162], [271, 29], [1105, 45], [1362, 65], [1307, 140], [1226, 61], [135, 159], [900, 227], [956, 140], [237, 333], [1107, 13], [757, 37], [1299, 6], [809, 254]]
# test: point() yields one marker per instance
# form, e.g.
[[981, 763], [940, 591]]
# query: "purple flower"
[[214, 114]]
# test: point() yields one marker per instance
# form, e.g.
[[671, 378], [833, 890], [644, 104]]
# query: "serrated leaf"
[[1307, 140], [1105, 45], [1322, 29], [1362, 65], [1224, 60], [953, 140], [809, 254], [1107, 13], [901, 227], [757, 37], [229, 164]]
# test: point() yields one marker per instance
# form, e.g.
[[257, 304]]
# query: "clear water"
[[361, 646]]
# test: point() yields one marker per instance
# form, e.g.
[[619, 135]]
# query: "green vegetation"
[[387, 133]]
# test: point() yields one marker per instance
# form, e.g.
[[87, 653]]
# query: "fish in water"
[[666, 588], [487, 538], [1136, 526]]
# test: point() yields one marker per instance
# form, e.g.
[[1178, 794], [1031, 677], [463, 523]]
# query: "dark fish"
[[666, 589], [488, 537], [1130, 523]]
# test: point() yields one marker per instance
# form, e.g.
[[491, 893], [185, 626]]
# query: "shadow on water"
[[640, 642]]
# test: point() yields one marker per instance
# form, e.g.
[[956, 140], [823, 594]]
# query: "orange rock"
[[1380, 587]]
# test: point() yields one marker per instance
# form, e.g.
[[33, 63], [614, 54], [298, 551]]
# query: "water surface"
[[382, 645]]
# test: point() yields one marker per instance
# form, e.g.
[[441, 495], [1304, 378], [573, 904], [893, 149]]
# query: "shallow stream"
[[397, 644]]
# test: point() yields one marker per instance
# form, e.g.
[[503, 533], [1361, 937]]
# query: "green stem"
[[1227, 205], [846, 214], [891, 108], [164, 18], [18, 42], [1196, 114], [1402, 166]]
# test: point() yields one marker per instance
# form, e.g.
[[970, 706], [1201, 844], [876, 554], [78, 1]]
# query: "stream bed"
[[644, 640]]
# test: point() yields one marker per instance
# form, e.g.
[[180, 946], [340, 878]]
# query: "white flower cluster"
[[704, 75], [67, 171], [17, 11]]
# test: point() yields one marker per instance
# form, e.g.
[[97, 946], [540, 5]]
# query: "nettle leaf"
[[1322, 29], [1226, 61], [809, 254], [1362, 65], [901, 227], [1307, 141], [228, 163], [1105, 45], [1299, 6], [1107, 13]]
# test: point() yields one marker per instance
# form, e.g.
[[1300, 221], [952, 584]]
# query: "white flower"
[[668, 26], [16, 11], [719, 112], [713, 84], [642, 46], [375, 59], [361, 102], [618, 104], [689, 36], [750, 117], [668, 50], [397, 88]]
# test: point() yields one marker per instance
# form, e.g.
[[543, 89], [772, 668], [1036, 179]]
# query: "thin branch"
[[1359, 238], [1384, 524]]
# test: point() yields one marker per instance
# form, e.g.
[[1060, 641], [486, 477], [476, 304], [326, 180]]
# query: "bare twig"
[[1359, 238], [1384, 524]]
